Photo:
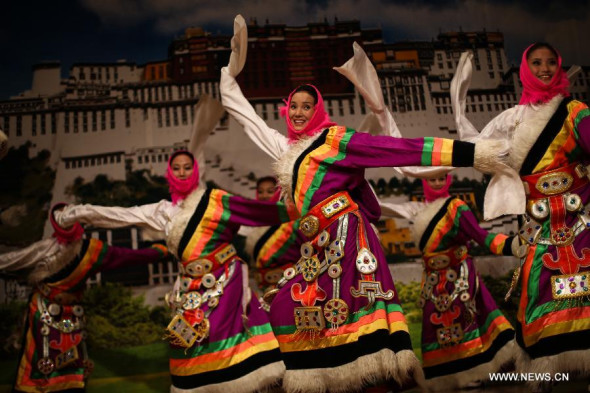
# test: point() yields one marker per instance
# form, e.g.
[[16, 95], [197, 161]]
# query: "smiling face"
[[182, 166], [543, 64], [436, 183], [301, 110], [265, 190]]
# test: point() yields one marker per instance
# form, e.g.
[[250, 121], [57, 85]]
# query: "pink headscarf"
[[319, 121], [179, 189], [431, 194], [536, 92], [64, 235]]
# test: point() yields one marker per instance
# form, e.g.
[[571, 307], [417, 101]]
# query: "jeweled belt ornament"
[[198, 288], [555, 199], [69, 321], [438, 272]]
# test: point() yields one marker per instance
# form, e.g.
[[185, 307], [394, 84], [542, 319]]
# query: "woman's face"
[[301, 110], [436, 183], [182, 166], [265, 190], [543, 64]]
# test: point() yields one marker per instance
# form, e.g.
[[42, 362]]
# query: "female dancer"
[[54, 356], [550, 141], [220, 338], [336, 317], [464, 335]]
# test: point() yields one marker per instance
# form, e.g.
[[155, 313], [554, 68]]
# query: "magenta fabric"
[[536, 92], [65, 235], [319, 121], [179, 189], [431, 194]]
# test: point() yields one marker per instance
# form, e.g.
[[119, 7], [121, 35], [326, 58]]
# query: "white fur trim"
[[54, 263], [573, 362], [527, 132], [424, 217], [283, 168], [505, 356], [489, 153], [402, 367], [261, 379], [180, 220]]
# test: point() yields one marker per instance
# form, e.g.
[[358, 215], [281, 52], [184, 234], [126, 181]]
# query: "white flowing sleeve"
[[155, 216], [362, 74], [407, 210], [29, 256], [267, 139], [208, 111]]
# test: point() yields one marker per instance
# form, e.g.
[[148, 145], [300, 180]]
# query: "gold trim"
[[569, 282], [310, 226], [329, 209], [309, 319], [449, 335], [554, 183]]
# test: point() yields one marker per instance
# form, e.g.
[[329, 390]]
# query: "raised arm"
[[267, 139], [154, 216], [362, 74], [208, 111]]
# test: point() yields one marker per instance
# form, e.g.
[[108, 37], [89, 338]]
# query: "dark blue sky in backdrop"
[[140, 30]]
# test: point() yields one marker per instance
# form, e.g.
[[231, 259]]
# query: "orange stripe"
[[498, 243], [525, 272], [499, 324], [223, 354], [437, 151], [445, 225], [204, 230], [392, 317], [313, 161], [570, 314], [275, 242]]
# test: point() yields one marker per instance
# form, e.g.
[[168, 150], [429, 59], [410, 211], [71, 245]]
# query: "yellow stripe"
[[446, 152], [557, 329], [222, 363], [303, 344], [471, 352], [306, 162], [554, 147]]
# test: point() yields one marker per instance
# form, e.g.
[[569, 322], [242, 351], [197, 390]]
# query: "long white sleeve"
[[406, 210], [208, 111], [29, 256], [156, 216], [267, 139]]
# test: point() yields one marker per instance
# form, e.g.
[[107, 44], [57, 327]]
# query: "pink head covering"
[[179, 189], [64, 235], [319, 121], [431, 194], [536, 92]]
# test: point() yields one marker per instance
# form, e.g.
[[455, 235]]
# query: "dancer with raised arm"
[[220, 338], [337, 316], [549, 134]]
